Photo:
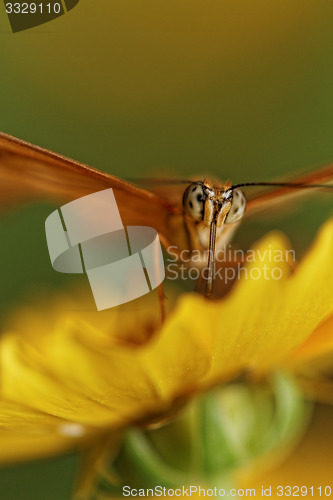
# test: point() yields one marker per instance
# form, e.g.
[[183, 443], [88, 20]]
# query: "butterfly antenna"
[[282, 184]]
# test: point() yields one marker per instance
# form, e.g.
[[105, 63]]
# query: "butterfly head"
[[206, 202]]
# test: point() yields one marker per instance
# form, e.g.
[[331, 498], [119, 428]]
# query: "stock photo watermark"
[[229, 263], [216, 492], [25, 15], [87, 236]]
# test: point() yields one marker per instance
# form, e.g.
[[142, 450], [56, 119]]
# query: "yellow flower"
[[70, 376]]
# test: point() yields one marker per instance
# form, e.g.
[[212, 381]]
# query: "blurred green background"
[[238, 89]]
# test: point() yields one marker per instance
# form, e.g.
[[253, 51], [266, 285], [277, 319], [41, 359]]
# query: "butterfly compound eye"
[[194, 200], [238, 206]]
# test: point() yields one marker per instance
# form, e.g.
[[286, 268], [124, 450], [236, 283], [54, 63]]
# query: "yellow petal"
[[18, 446], [81, 371], [28, 434], [67, 378], [320, 343], [262, 321], [16, 415]]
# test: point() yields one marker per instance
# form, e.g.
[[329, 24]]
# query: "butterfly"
[[188, 214]]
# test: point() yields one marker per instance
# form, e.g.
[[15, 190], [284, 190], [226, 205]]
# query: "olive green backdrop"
[[238, 89]]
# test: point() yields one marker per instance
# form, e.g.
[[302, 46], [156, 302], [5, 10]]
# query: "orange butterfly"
[[203, 216]]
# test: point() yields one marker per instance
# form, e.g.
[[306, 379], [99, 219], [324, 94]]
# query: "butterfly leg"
[[199, 284], [94, 467], [161, 300]]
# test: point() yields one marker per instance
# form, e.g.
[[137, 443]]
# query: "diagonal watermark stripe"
[[87, 236]]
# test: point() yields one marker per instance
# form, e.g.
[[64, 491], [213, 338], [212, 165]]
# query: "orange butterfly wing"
[[29, 172]]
